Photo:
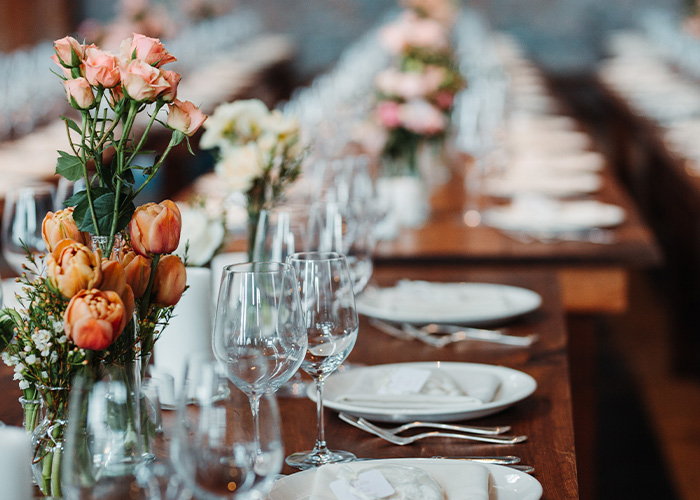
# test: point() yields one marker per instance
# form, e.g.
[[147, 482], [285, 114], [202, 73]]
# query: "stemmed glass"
[[259, 333], [23, 215], [331, 325], [220, 448]]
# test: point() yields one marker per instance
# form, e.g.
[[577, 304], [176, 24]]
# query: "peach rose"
[[170, 280], [94, 319], [116, 94], [72, 267], [61, 226], [185, 117], [101, 68], [138, 272], [79, 93], [149, 50], [142, 82], [114, 279], [69, 52], [155, 228], [173, 80]]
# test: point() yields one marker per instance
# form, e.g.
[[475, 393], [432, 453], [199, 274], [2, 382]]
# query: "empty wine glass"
[[259, 332], [220, 448], [23, 215], [348, 231], [103, 450], [331, 325]]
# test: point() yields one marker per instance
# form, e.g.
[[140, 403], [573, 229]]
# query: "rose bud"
[[61, 226], [150, 50], [173, 80], [155, 228], [169, 283], [69, 52], [185, 117], [72, 267], [94, 319], [79, 93], [138, 271], [114, 279], [142, 82], [101, 68]]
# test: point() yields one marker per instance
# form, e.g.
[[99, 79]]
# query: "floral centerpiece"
[[415, 97], [259, 153], [109, 282]]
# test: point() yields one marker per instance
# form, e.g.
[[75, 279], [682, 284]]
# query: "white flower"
[[45, 352], [54, 357], [277, 124], [62, 339], [241, 119], [27, 348], [44, 375], [18, 369], [6, 358], [421, 117], [240, 166], [31, 359], [23, 384]]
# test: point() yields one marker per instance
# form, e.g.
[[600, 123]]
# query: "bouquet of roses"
[[259, 153]]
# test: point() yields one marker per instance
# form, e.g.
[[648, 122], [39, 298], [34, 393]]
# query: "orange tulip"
[[155, 228], [61, 226], [170, 280], [114, 279], [72, 267], [94, 319], [138, 271]]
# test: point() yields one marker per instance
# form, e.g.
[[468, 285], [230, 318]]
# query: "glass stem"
[[321, 437], [255, 411]]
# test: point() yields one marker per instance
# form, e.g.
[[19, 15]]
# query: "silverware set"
[[439, 335]]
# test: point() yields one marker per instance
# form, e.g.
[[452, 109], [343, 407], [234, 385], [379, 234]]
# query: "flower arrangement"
[[691, 23], [414, 98], [259, 153], [109, 282]]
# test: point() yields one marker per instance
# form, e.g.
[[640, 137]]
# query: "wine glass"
[[103, 449], [259, 330], [23, 215], [220, 448], [331, 325], [348, 231]]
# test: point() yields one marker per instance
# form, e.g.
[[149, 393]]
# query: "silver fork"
[[454, 333], [472, 429], [366, 426]]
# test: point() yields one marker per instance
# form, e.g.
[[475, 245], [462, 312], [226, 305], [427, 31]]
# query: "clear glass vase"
[[31, 411], [47, 440]]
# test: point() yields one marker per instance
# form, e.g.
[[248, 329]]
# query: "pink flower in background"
[[444, 99], [147, 49], [143, 82], [428, 33], [79, 93], [69, 52], [101, 68], [423, 118], [411, 31], [185, 117], [173, 80], [388, 113]]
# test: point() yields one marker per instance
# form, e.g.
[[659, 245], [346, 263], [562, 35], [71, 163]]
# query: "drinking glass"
[[23, 215], [259, 333], [103, 450], [221, 450], [330, 316], [346, 230]]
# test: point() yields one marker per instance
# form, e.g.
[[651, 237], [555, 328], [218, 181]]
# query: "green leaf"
[[69, 166], [104, 212], [125, 215], [82, 215], [177, 137], [71, 124], [77, 198]]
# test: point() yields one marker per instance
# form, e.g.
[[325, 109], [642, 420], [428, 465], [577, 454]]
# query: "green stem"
[[141, 143], [83, 162], [56, 473], [154, 169]]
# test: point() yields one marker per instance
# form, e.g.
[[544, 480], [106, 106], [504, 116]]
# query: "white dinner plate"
[[433, 302], [555, 184], [564, 216], [515, 386], [507, 483]]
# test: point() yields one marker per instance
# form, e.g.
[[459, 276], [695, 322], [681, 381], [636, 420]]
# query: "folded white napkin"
[[418, 481], [10, 288], [15, 464], [434, 299], [375, 389]]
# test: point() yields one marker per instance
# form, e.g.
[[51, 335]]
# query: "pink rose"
[[185, 117], [173, 80], [422, 118], [79, 93], [143, 82], [147, 49], [388, 114], [444, 99], [69, 52], [116, 94], [101, 68]]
